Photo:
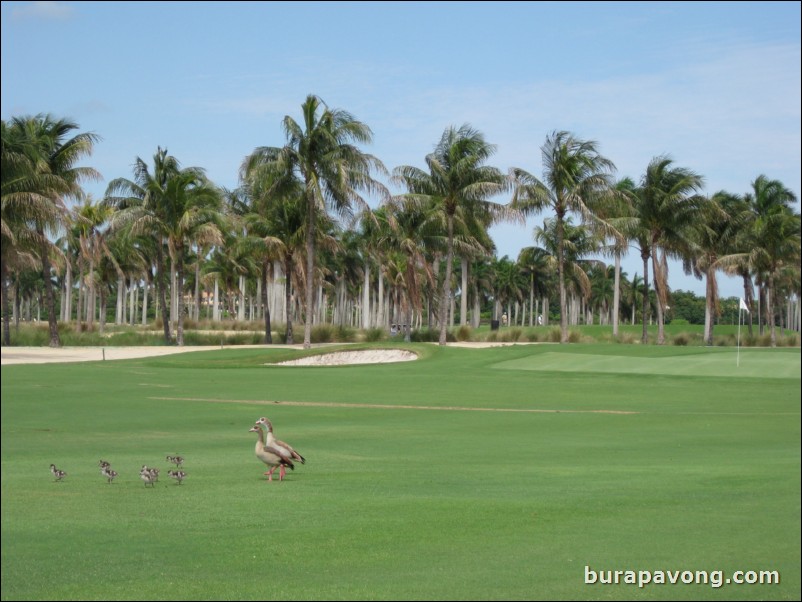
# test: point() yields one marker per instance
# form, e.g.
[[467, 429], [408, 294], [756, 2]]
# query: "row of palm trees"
[[300, 232]]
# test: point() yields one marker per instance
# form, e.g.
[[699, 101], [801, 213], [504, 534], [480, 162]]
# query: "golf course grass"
[[467, 474]]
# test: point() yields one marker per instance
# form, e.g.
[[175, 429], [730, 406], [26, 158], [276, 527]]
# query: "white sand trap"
[[345, 358]]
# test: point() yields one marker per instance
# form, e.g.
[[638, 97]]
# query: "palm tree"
[[618, 213], [775, 238], [42, 161], [321, 153], [175, 206], [577, 180], [89, 220], [633, 294], [457, 188], [138, 202], [665, 208], [577, 242], [722, 218], [536, 263]]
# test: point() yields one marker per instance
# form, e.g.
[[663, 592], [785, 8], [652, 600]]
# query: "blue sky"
[[715, 85]]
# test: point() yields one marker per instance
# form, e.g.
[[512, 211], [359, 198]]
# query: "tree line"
[[297, 240]]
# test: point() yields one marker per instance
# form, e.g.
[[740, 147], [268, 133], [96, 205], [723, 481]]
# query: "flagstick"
[[738, 353]]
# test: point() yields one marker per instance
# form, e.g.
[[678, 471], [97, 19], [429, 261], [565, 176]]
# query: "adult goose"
[[271, 456], [282, 446]]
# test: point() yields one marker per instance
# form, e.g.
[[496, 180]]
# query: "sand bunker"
[[343, 358]]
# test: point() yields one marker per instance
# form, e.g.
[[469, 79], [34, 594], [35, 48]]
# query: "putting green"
[[754, 363]]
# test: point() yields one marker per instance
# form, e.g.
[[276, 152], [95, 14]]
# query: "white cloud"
[[43, 10]]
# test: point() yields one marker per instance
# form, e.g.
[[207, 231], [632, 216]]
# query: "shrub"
[[555, 334], [431, 335], [533, 336], [323, 333], [464, 333], [373, 335], [682, 339], [344, 334], [727, 340], [574, 336], [626, 338], [509, 335]]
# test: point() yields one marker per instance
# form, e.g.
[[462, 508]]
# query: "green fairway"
[[468, 474]]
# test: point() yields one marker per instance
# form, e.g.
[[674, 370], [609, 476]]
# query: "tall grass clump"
[[574, 336], [510, 335], [464, 333], [727, 340], [324, 333], [682, 339], [555, 334], [373, 335], [625, 338], [431, 335]]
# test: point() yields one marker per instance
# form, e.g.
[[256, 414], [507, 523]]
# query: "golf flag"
[[743, 306]]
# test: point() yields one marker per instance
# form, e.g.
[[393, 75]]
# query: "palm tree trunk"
[[50, 299], [463, 303], [645, 304], [444, 304], [145, 290], [268, 329], [216, 309], [311, 222], [380, 321], [196, 309], [660, 295], [561, 277], [770, 308], [241, 299], [90, 296], [179, 294], [710, 304], [68, 292], [749, 297], [173, 291], [289, 339], [366, 297], [6, 305], [102, 319], [616, 293], [161, 290]]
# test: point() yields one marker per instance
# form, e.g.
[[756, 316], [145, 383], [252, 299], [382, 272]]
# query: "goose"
[[178, 475], [107, 472], [269, 455], [177, 460], [282, 446], [58, 474]]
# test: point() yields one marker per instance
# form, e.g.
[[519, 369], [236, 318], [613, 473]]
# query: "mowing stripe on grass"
[[327, 404], [334, 404]]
